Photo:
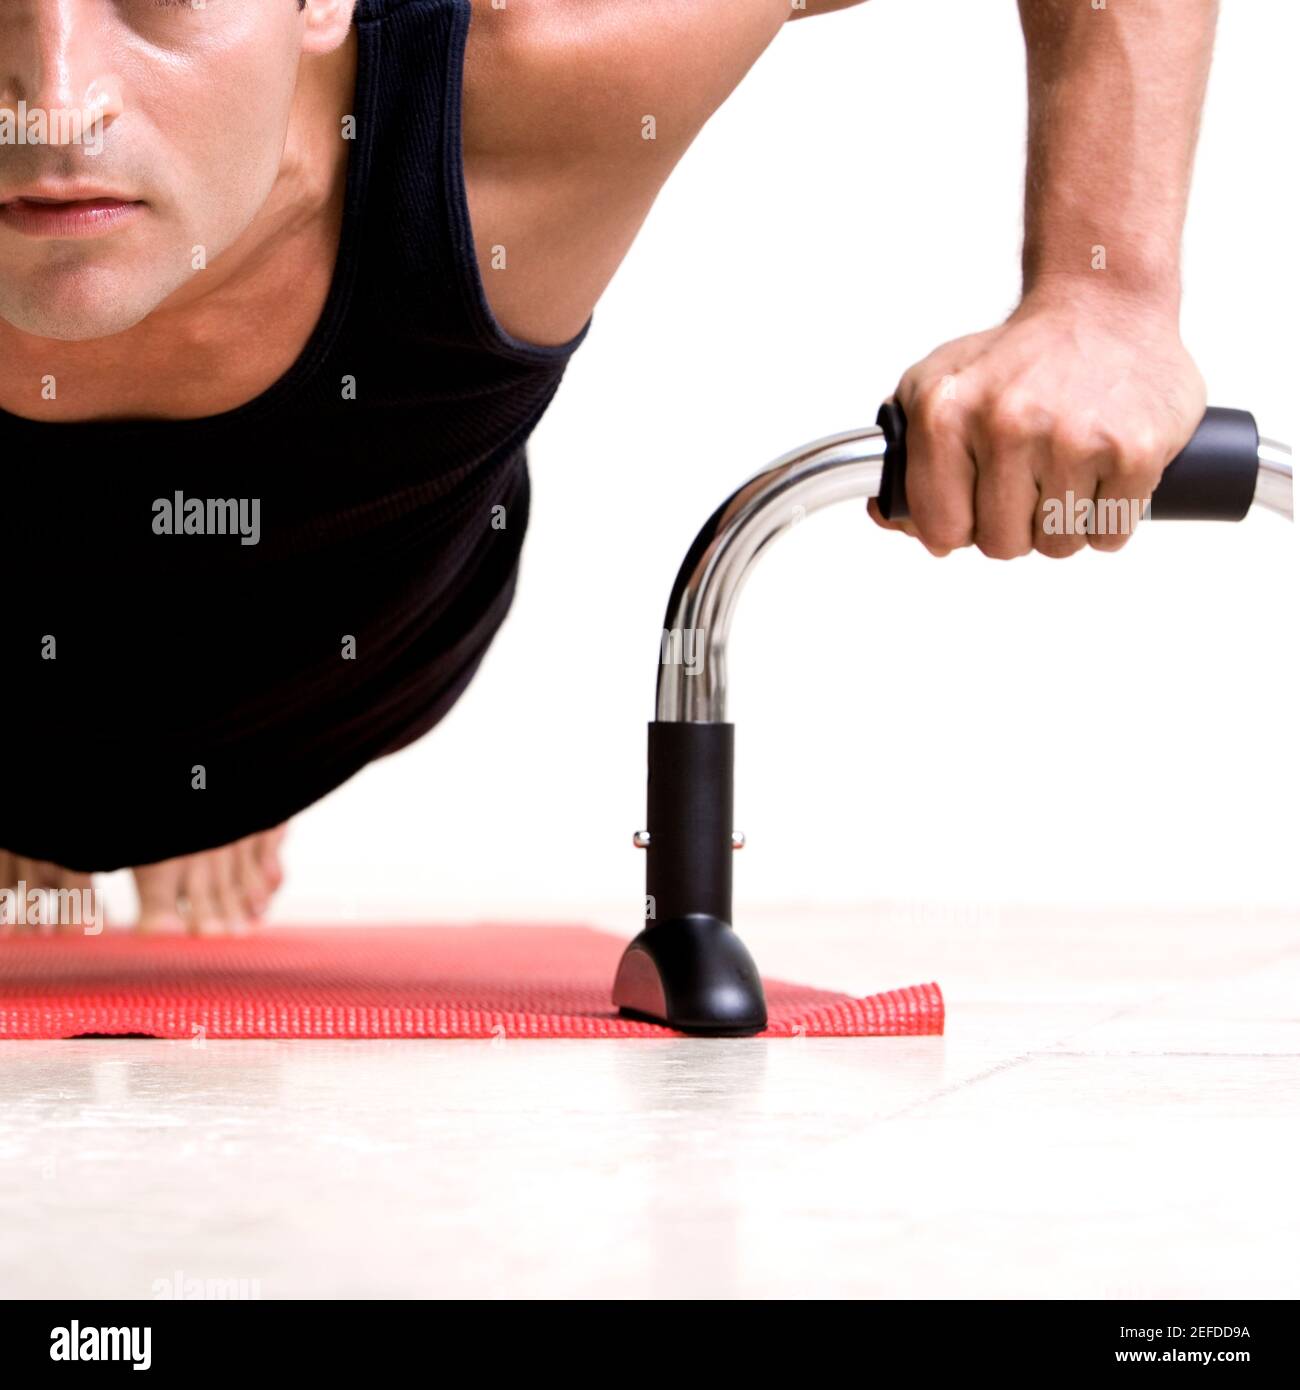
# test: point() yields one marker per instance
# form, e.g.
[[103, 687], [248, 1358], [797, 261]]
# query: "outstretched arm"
[[801, 8], [1086, 388]]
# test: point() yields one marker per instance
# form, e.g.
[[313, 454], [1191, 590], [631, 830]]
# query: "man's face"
[[137, 137]]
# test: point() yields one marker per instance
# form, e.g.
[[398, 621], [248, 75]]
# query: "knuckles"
[[1013, 420], [931, 408], [1074, 450]]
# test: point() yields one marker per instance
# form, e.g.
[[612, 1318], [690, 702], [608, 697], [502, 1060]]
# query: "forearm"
[[1115, 98], [802, 9]]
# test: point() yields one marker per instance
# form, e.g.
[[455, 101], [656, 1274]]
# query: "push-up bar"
[[688, 968]]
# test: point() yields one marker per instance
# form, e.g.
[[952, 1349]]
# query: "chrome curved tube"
[[1273, 488], [834, 469]]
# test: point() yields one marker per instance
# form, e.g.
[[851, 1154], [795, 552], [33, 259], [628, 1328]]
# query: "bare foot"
[[64, 900], [217, 892]]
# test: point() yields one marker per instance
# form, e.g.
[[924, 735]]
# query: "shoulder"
[[570, 77], [576, 112]]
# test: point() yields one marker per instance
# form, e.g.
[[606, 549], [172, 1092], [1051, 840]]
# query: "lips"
[[76, 213]]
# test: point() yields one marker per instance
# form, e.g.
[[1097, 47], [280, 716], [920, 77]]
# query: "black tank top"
[[167, 693]]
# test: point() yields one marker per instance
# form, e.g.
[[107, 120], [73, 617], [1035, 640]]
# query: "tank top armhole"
[[490, 332]]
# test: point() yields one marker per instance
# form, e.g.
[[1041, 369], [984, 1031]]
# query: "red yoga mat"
[[378, 982]]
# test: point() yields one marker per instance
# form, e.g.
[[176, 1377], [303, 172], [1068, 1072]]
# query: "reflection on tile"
[[1111, 1114]]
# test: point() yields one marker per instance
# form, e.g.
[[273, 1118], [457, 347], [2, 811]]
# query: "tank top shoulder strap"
[[417, 245]]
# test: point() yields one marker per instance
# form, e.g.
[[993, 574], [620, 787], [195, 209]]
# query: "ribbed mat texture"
[[479, 981]]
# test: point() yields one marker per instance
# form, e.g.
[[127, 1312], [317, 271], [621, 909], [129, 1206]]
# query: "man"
[[285, 285]]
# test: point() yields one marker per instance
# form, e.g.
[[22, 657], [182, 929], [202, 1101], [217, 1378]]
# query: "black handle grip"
[[1213, 479]]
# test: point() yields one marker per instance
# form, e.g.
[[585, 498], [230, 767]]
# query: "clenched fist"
[[1049, 432]]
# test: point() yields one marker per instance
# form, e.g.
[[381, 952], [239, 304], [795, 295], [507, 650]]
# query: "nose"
[[54, 59]]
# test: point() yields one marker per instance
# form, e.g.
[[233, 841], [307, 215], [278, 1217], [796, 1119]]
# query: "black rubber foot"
[[694, 974]]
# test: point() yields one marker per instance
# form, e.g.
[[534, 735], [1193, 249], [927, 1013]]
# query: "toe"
[[254, 890], [34, 876], [37, 873], [79, 907], [226, 883], [268, 854], [8, 880], [158, 886], [199, 892]]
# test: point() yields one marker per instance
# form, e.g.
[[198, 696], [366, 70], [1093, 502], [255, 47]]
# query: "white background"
[[1107, 729]]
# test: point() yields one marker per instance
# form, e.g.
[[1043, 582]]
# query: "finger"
[[874, 512], [1117, 515], [1006, 497], [1064, 517], [940, 467], [1066, 514], [1129, 475]]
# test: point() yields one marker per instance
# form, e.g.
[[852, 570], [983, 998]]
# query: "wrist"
[[1101, 292]]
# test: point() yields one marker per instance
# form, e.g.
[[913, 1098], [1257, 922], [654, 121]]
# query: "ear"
[[326, 24]]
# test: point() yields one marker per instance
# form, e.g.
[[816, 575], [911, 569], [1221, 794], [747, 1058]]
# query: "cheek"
[[219, 150]]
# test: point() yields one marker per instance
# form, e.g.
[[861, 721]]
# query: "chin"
[[80, 305]]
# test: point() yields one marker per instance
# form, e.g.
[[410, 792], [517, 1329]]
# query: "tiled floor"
[[1114, 1112]]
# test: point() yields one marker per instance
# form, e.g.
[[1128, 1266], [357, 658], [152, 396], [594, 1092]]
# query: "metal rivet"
[[737, 839], [641, 840]]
